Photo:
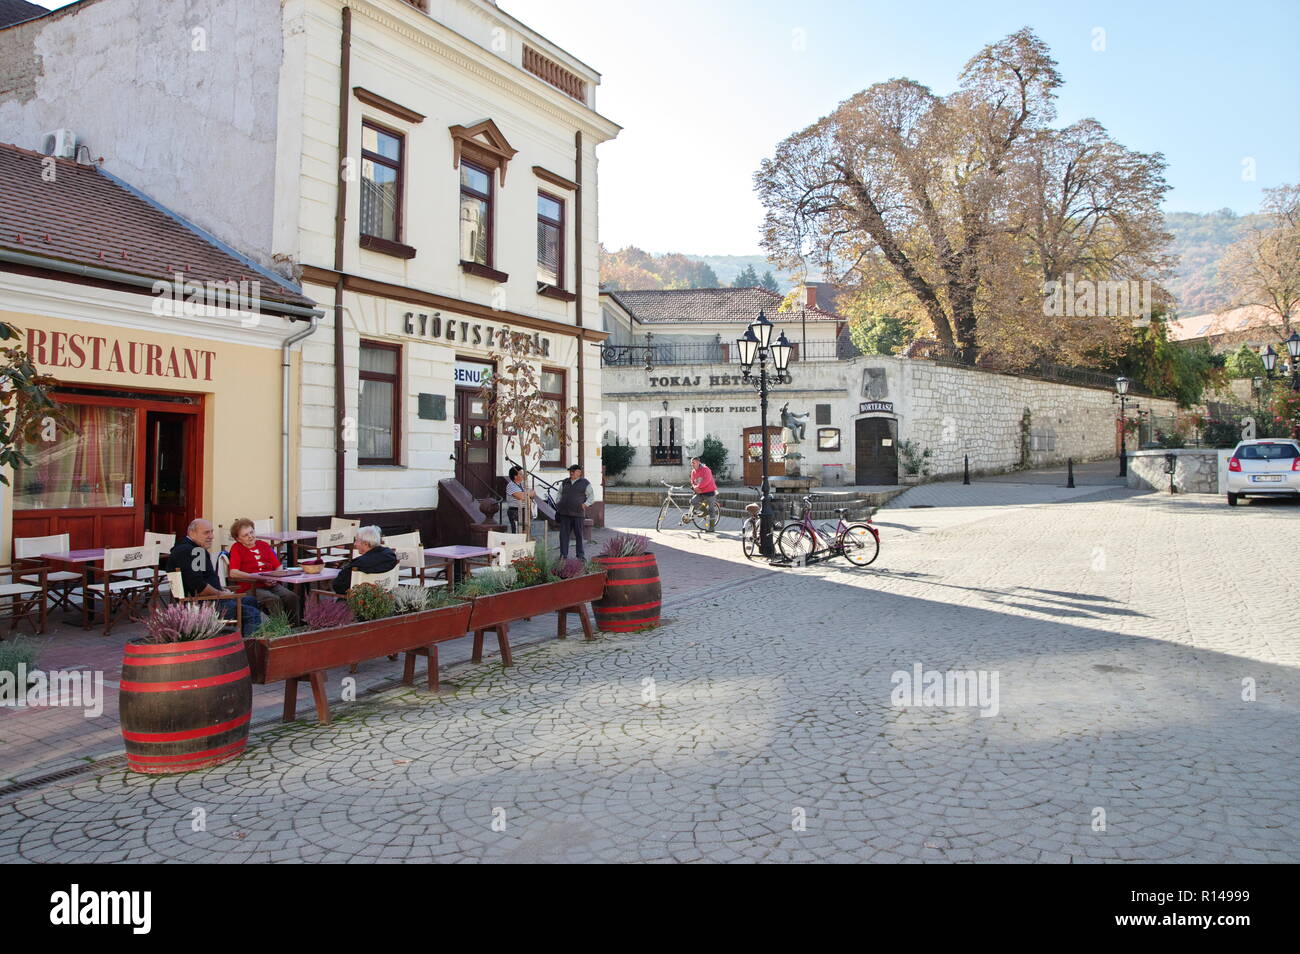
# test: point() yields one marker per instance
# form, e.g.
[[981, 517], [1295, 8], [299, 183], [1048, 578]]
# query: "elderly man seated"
[[371, 558], [199, 576]]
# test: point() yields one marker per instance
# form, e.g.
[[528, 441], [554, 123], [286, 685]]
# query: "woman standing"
[[516, 497], [249, 555]]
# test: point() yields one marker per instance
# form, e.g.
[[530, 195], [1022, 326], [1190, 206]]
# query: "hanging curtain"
[[86, 467]]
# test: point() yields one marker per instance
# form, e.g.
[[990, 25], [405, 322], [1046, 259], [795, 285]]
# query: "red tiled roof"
[[1217, 323], [711, 304], [84, 217]]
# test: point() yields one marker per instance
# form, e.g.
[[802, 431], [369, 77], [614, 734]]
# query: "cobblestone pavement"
[[1124, 631]]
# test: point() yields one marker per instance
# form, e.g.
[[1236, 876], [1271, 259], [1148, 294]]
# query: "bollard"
[[965, 479], [1069, 469]]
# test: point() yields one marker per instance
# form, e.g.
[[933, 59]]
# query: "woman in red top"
[[249, 555]]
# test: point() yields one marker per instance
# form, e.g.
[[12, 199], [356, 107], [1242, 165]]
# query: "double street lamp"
[[1269, 357], [757, 344]]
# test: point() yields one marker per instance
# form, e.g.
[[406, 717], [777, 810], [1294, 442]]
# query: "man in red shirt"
[[705, 490]]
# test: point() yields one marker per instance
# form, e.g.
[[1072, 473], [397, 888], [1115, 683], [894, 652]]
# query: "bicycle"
[[705, 515], [751, 530], [800, 542]]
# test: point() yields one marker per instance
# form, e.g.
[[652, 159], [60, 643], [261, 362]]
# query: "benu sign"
[[471, 374]]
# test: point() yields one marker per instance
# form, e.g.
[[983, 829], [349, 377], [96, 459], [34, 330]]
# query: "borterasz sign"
[[867, 407]]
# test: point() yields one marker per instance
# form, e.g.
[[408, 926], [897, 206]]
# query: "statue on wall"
[[875, 384], [795, 423]]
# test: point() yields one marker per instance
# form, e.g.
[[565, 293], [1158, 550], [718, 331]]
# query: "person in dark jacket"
[[199, 575], [371, 557], [571, 509]]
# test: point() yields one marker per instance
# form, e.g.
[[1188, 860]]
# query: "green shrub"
[[410, 599], [371, 601], [274, 625], [19, 650], [486, 583], [617, 458], [713, 454]]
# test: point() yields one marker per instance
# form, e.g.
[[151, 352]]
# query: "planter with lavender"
[[633, 592]]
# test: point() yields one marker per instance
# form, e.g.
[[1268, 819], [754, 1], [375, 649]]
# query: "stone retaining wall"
[[1196, 470]]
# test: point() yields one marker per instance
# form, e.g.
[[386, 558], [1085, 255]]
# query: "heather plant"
[[182, 623], [327, 614], [570, 567], [371, 601], [274, 625], [625, 545]]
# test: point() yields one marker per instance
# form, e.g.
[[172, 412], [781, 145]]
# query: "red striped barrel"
[[186, 705], [632, 593]]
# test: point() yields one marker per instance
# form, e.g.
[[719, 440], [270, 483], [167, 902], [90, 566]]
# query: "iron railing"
[[704, 352]]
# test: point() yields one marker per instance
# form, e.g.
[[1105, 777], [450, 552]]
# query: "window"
[[381, 183], [828, 438], [89, 465], [550, 240], [665, 451], [379, 404], [475, 214], [553, 392], [823, 413]]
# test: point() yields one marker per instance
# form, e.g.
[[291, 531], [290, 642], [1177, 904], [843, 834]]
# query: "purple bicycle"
[[804, 542]]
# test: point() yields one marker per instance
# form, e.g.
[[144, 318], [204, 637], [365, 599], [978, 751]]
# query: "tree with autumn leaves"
[[27, 411], [955, 214], [515, 405]]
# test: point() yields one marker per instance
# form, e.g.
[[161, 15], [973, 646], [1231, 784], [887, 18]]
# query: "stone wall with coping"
[[952, 411], [1196, 470]]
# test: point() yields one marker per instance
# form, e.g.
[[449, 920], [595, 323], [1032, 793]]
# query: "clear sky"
[[704, 91]]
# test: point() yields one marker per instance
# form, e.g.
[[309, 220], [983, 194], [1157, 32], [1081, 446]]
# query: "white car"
[[1264, 468]]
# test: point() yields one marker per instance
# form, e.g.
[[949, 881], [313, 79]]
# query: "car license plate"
[[1264, 477]]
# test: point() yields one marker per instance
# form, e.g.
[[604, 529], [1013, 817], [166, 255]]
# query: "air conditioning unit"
[[61, 143]]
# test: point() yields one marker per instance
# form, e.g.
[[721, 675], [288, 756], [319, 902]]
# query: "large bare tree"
[[1263, 268], [957, 210]]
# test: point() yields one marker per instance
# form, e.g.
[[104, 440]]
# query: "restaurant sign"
[[867, 407], [58, 349]]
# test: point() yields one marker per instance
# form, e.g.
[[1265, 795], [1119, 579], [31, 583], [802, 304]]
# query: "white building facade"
[[426, 169]]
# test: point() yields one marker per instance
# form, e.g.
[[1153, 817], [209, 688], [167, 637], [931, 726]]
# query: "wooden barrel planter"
[[184, 706], [632, 596]]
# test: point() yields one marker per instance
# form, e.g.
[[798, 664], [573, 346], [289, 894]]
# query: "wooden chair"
[[506, 554], [328, 544], [26, 592], [415, 570], [178, 595], [59, 584], [342, 523], [162, 544], [264, 526], [119, 589], [411, 539]]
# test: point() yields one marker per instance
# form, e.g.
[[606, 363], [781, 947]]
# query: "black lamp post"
[[1121, 394], [1293, 349], [757, 344]]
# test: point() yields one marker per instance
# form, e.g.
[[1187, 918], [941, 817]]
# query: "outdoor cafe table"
[[291, 537], [297, 579], [78, 561], [458, 555]]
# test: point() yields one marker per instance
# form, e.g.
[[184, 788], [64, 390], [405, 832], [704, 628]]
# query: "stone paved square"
[[757, 723]]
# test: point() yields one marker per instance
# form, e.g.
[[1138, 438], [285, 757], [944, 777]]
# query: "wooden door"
[[170, 464], [876, 451], [753, 446], [476, 444]]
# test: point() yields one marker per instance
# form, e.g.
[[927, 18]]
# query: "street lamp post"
[[1121, 394], [757, 344], [1293, 349]]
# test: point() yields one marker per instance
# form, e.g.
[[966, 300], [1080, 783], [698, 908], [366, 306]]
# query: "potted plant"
[[18, 656], [915, 461], [530, 586], [336, 633], [186, 697], [633, 591]]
